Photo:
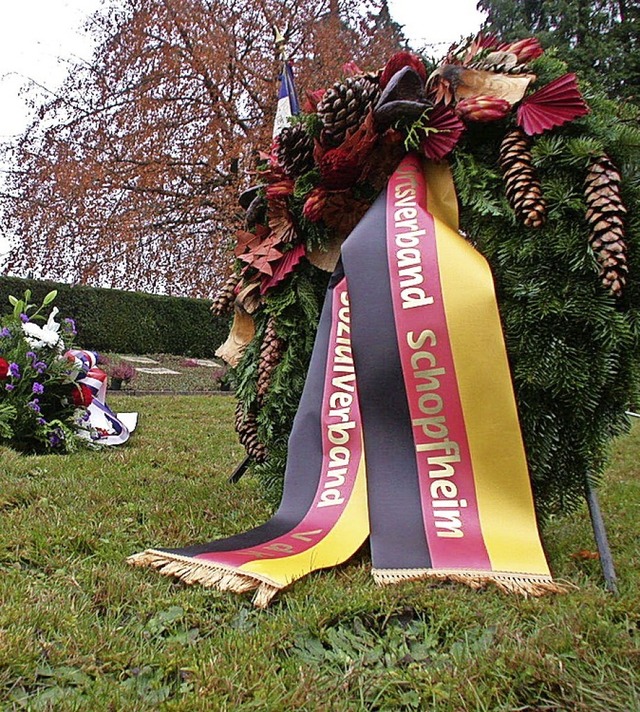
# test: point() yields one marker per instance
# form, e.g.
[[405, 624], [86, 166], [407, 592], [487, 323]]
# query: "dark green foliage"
[[599, 38], [574, 349], [129, 322]]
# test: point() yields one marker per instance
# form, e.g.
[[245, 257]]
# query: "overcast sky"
[[41, 39]]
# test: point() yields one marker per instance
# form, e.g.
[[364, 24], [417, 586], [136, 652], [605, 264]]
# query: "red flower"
[[448, 130], [525, 50], [280, 189], [314, 204], [483, 108], [4, 369], [399, 61], [81, 395], [312, 99], [351, 69]]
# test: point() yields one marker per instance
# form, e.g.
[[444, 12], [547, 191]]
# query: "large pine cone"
[[295, 150], [523, 189], [344, 106], [226, 295], [247, 429], [605, 216], [270, 355]]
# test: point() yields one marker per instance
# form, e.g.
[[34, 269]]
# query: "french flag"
[[288, 104]]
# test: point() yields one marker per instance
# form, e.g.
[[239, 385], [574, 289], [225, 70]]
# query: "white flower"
[[47, 335]]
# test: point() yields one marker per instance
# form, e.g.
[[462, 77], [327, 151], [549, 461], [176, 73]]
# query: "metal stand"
[[600, 534], [239, 471]]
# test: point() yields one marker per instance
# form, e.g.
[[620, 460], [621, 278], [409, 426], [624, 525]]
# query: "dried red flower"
[[398, 62], [314, 204], [482, 108], [557, 103], [4, 369], [525, 50]]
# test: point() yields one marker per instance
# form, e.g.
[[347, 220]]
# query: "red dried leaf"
[[263, 255], [312, 99], [314, 204], [554, 105], [342, 167], [483, 108], [281, 222], [439, 143], [283, 267], [584, 555], [247, 241], [351, 69], [279, 189]]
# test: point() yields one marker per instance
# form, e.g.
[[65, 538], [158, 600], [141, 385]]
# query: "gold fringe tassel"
[[523, 584], [207, 574]]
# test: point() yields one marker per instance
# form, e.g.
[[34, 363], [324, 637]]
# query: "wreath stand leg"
[[602, 542], [239, 471]]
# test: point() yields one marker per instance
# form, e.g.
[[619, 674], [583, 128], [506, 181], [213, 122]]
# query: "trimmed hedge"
[[128, 322]]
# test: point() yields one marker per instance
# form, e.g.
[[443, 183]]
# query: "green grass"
[[191, 378], [81, 630]]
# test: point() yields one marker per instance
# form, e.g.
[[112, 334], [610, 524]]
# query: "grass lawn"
[[190, 375], [81, 630]]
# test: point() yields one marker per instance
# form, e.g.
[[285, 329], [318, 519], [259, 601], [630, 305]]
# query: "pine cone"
[[523, 189], [247, 429], [295, 150], [223, 301], [344, 106], [605, 216], [270, 355]]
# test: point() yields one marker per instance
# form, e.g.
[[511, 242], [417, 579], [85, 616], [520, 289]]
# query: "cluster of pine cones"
[[605, 209], [341, 110]]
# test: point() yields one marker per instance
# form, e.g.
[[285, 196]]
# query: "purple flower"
[[9, 387], [5, 331], [40, 366], [41, 421], [32, 355], [34, 405], [71, 326], [37, 388], [24, 318], [56, 437], [14, 370]]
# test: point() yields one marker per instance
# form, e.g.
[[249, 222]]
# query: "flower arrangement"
[[121, 372], [42, 406]]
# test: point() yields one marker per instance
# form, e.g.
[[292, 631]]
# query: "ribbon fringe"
[[192, 571], [522, 584]]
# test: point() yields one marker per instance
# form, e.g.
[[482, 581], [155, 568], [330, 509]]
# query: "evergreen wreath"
[[548, 189]]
